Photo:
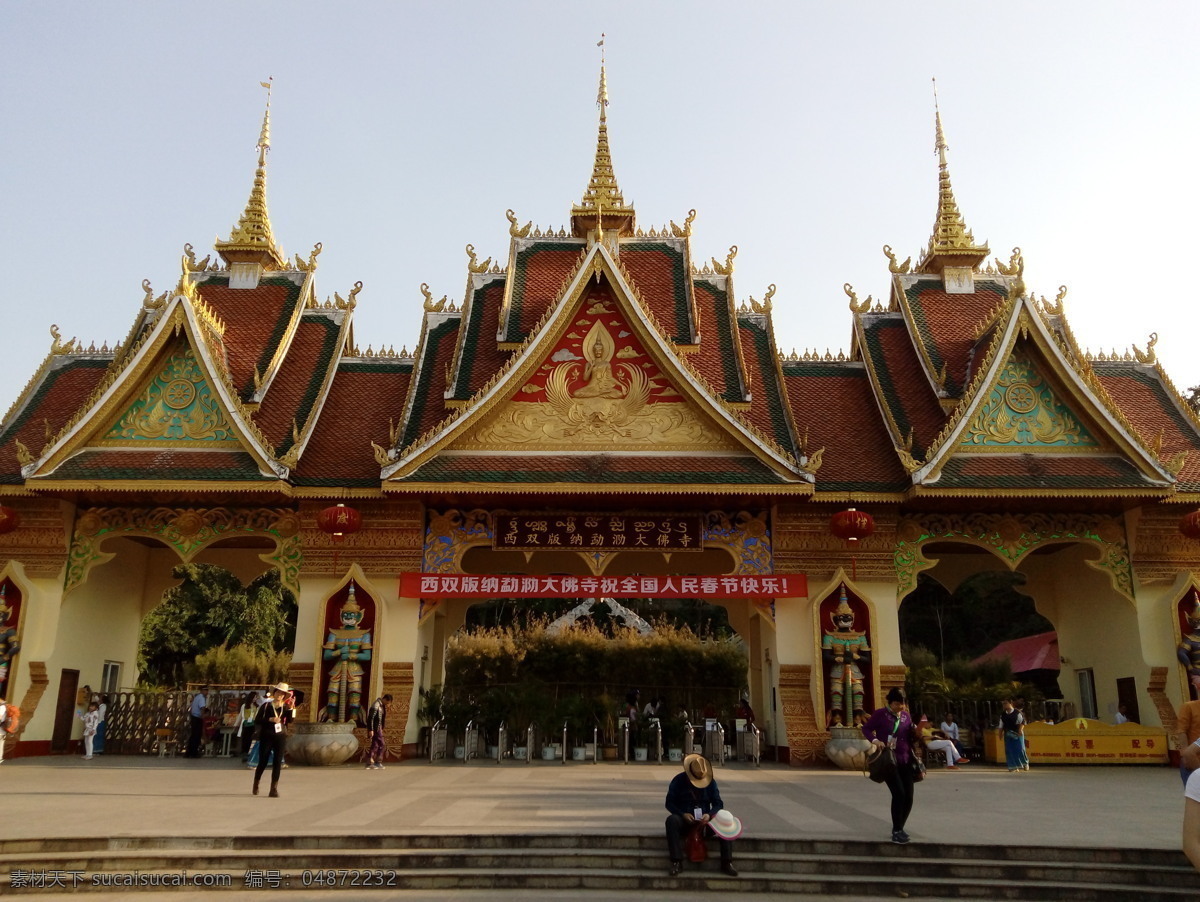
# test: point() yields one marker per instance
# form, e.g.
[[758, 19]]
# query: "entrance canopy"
[[1038, 652]]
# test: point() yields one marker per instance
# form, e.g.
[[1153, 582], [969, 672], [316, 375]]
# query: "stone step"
[[632, 881], [915, 866], [632, 863], [654, 843]]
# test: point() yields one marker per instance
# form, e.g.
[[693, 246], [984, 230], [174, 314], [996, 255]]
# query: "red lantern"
[[339, 521], [1189, 525], [852, 524], [9, 519]]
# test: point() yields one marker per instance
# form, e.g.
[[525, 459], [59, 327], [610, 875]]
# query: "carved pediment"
[[598, 388]]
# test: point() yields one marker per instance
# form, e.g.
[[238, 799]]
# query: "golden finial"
[[1149, 355], [951, 243], [515, 230], [602, 198], [893, 266], [251, 240], [474, 265]]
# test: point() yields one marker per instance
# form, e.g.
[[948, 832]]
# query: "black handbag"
[[918, 767], [881, 763]]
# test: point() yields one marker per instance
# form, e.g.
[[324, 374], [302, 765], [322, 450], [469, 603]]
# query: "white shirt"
[[950, 729], [1121, 718], [1193, 787]]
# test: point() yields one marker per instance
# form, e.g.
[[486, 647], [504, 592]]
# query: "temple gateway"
[[600, 415]]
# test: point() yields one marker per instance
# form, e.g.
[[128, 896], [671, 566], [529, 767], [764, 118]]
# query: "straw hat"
[[281, 687], [698, 770], [725, 825]]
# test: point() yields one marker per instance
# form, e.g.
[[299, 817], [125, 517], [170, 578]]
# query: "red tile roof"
[[901, 382], [945, 323], [365, 396], [833, 404], [1151, 408], [46, 407], [538, 274], [295, 389], [255, 320]]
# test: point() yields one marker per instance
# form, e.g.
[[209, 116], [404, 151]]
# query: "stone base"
[[847, 749], [322, 744]]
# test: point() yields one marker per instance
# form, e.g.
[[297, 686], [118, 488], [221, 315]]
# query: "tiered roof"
[[601, 359]]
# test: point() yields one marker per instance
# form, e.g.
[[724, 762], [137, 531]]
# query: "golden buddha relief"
[[599, 388]]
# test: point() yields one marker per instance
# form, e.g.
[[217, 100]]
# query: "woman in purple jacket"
[[892, 726]]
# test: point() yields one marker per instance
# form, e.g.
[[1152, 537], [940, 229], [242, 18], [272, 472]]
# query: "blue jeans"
[[1014, 751]]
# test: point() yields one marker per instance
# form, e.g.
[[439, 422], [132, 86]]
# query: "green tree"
[[209, 608]]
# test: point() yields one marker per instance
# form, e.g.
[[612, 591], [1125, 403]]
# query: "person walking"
[[376, 721], [269, 723], [1012, 722], [196, 722], [693, 798], [893, 727]]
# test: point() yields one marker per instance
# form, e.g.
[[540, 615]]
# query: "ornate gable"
[[598, 388], [596, 376], [166, 412], [176, 403], [1023, 411], [1035, 419]]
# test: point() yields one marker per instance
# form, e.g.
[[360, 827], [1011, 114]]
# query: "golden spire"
[[602, 199], [951, 243], [251, 240]]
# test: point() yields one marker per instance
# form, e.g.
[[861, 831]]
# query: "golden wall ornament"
[[40, 545], [805, 740], [1012, 537], [186, 530], [1162, 552]]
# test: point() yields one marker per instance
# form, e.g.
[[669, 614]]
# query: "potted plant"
[[673, 728]]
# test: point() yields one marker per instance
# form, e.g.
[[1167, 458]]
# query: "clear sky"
[[401, 131]]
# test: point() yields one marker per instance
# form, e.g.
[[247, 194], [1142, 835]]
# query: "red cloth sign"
[[458, 585]]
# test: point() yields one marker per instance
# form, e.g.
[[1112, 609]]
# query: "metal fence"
[[982, 715], [133, 716]]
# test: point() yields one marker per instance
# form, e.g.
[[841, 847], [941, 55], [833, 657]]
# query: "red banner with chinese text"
[[458, 585]]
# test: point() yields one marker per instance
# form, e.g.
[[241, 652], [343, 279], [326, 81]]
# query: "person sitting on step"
[[693, 798]]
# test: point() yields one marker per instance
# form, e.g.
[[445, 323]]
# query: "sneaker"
[[951, 767], [899, 837], [379, 767], [962, 761]]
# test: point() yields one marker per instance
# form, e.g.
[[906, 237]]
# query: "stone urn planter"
[[847, 748], [322, 743]]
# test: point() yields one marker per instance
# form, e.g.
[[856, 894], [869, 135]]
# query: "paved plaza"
[[1119, 807]]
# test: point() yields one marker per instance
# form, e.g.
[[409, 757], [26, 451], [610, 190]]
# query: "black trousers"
[[678, 828], [900, 783], [195, 736], [273, 742]]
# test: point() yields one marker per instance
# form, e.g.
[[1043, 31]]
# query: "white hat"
[[725, 825]]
